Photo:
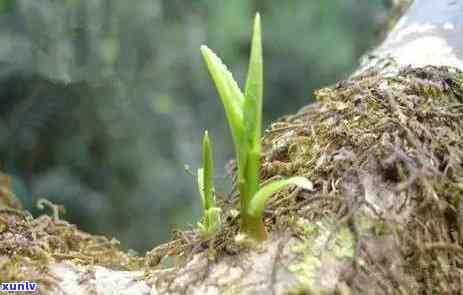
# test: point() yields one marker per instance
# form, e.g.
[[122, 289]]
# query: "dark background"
[[103, 102]]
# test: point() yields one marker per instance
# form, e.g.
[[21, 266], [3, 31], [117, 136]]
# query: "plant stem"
[[253, 227], [250, 225]]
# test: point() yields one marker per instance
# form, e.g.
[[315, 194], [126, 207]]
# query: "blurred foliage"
[[102, 102]]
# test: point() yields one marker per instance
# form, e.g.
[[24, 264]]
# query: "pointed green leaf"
[[211, 214], [229, 92], [208, 173], [258, 201], [201, 186], [253, 111], [254, 88]]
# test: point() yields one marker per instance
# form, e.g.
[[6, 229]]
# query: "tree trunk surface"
[[384, 150]]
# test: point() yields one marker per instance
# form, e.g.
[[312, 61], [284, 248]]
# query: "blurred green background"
[[103, 102]]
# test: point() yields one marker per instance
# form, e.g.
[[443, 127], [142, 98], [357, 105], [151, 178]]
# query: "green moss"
[[29, 245]]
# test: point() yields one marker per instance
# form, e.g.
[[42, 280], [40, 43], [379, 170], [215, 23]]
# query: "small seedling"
[[244, 114], [210, 222]]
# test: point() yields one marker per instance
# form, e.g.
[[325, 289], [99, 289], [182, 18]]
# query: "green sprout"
[[211, 213], [244, 115]]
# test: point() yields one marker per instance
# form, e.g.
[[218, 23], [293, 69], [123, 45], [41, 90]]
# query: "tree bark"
[[428, 34]]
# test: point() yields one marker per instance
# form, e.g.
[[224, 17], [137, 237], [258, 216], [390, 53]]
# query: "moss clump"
[[386, 157], [385, 154], [28, 246]]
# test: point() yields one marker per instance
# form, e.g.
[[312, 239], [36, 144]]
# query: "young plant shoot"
[[244, 114], [210, 222]]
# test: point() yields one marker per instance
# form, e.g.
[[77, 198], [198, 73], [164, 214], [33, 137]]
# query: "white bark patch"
[[71, 278], [120, 282], [420, 51], [429, 34], [411, 30], [263, 270], [80, 280]]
